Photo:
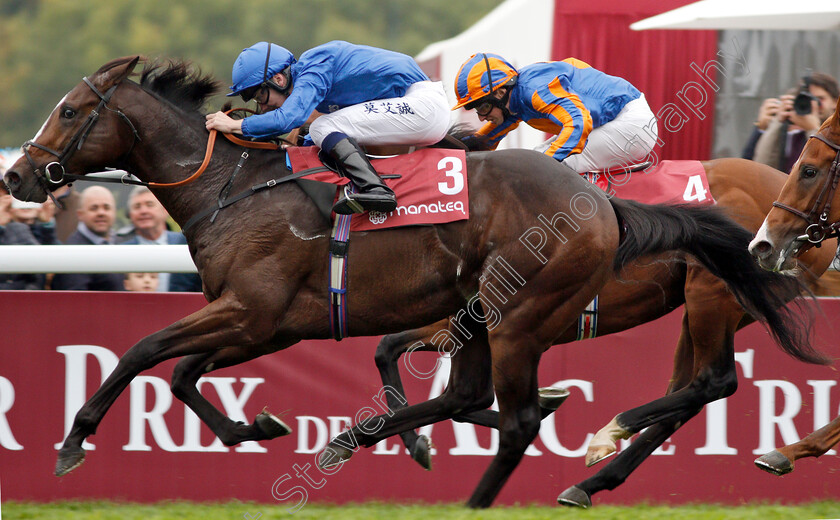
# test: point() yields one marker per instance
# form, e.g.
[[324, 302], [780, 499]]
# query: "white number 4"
[[455, 172], [694, 189]]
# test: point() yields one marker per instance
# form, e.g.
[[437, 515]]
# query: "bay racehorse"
[[806, 214], [264, 270], [648, 288]]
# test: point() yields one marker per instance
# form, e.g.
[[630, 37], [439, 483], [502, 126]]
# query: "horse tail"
[[720, 245]]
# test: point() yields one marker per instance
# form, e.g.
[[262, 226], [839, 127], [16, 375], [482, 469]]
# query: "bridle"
[[54, 172], [819, 228]]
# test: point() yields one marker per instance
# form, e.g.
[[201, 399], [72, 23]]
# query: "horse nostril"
[[761, 249], [12, 179]]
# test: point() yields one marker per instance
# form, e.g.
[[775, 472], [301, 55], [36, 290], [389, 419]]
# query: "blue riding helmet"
[[251, 67]]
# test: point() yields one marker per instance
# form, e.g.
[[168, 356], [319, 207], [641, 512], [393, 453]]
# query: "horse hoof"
[[333, 455], [271, 425], [775, 463], [422, 452], [596, 454], [69, 458], [551, 398], [574, 497]]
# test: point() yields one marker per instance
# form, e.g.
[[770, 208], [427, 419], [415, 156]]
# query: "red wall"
[[657, 62], [317, 383]]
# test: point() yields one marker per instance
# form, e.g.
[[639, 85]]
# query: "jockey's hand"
[[223, 123]]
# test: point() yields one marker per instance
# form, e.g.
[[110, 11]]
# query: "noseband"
[[54, 172], [818, 227]]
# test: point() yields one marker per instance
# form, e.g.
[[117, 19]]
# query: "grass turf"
[[253, 511]]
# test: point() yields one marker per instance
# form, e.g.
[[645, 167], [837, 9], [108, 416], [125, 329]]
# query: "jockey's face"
[[270, 99], [494, 116]]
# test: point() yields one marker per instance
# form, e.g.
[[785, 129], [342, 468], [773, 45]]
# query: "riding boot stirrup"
[[373, 195]]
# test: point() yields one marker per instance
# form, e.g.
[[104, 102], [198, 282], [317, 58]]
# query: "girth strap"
[[587, 322], [338, 274]]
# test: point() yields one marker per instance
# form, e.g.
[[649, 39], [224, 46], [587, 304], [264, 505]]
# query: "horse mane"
[[466, 135], [179, 82]]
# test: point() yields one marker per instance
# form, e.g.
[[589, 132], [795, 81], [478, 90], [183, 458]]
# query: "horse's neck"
[[171, 150]]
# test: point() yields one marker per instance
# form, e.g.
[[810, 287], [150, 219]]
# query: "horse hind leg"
[[184, 386], [515, 379], [780, 462]]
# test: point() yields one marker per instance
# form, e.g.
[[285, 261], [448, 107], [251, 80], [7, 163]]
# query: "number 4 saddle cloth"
[[668, 182], [430, 184]]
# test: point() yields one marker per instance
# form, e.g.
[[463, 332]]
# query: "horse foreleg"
[[388, 352], [222, 322], [392, 346], [616, 472], [185, 378], [780, 462], [470, 388], [704, 371]]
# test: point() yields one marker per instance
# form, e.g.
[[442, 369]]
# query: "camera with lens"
[[802, 102]]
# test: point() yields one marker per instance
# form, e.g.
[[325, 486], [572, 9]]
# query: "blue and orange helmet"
[[480, 76], [257, 64]]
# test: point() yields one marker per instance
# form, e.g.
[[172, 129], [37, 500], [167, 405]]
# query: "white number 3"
[[455, 172]]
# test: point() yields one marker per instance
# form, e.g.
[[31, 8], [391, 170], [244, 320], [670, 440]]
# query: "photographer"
[[789, 120]]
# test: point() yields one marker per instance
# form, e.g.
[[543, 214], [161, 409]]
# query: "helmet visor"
[[484, 105], [249, 93]]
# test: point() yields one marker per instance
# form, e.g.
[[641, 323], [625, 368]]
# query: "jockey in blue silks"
[[352, 94], [598, 121]]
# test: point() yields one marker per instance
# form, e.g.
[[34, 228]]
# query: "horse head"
[[82, 134], [807, 210]]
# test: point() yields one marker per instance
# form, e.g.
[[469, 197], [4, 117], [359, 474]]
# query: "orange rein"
[[211, 141]]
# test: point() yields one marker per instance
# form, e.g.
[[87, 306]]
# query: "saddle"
[[323, 194]]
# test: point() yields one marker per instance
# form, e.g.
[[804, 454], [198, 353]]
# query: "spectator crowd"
[[87, 218]]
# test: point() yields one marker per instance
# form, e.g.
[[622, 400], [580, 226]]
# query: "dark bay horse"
[[806, 214], [704, 365], [264, 269]]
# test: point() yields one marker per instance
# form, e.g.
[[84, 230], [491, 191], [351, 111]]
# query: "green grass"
[[239, 510]]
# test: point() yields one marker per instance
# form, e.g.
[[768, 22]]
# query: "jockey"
[[352, 94], [598, 121]]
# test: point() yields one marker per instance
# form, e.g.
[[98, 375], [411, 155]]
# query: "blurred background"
[[47, 46]]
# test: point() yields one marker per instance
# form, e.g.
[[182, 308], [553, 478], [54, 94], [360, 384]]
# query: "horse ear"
[[115, 71]]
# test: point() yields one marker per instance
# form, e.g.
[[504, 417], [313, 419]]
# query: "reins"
[[818, 227], [54, 172], [211, 141]]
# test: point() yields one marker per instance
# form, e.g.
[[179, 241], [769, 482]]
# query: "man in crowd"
[[781, 132], [96, 213], [149, 216]]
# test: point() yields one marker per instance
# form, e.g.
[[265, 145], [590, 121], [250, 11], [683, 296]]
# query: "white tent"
[[511, 30], [810, 15]]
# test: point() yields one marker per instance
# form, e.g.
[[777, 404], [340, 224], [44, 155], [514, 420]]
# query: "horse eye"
[[68, 113], [809, 172]]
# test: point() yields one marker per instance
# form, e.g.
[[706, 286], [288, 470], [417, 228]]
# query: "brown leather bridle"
[[55, 174], [819, 228]]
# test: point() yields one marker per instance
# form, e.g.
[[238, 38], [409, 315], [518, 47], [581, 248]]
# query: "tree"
[[48, 45]]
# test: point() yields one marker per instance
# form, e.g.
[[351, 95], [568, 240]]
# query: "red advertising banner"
[[58, 346]]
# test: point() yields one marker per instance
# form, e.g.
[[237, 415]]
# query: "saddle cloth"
[[667, 182], [431, 189]]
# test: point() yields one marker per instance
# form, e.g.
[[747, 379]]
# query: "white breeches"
[[625, 140], [420, 117]]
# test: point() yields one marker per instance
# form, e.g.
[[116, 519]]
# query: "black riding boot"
[[373, 194]]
